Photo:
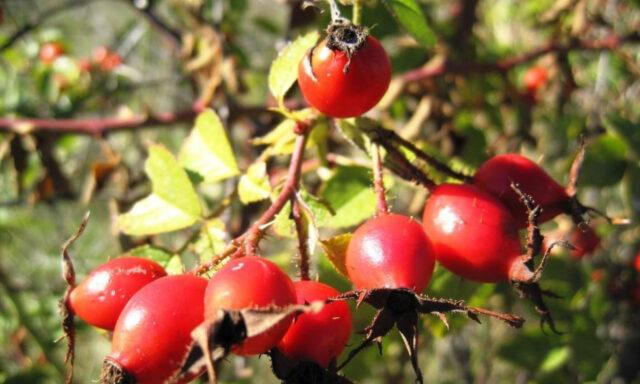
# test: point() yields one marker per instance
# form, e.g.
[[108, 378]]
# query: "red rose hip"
[[318, 337], [473, 234], [251, 282], [341, 87], [390, 251], [153, 333], [100, 297], [496, 175]]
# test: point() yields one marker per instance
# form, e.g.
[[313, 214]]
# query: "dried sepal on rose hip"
[[347, 73], [251, 282]]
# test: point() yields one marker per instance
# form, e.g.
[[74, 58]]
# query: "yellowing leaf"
[[336, 250]]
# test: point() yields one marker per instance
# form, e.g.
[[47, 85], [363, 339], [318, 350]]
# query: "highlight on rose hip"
[[319, 191]]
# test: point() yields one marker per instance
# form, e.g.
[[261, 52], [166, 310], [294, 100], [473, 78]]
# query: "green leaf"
[[173, 203], [555, 359], [409, 15], [211, 240], [254, 185], [170, 262], [335, 248], [628, 130], [207, 151], [284, 69], [604, 163], [350, 194], [319, 213]]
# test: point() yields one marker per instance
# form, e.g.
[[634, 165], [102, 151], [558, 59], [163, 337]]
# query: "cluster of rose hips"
[[470, 229], [102, 59]]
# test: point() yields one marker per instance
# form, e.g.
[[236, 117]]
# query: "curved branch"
[[97, 126], [610, 42]]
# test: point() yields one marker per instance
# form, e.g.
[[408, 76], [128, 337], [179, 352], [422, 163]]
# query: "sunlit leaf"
[[284, 70], [254, 185], [207, 150], [173, 203]]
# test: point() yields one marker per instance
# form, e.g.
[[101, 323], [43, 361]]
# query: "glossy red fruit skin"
[[473, 234], [49, 52], [535, 78], [101, 296], [153, 332], [636, 262], [327, 88], [585, 242], [390, 251], [318, 337], [496, 174], [251, 282]]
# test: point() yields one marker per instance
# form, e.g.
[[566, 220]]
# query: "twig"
[[41, 18], [254, 234], [97, 126], [69, 276], [158, 23], [576, 165], [611, 42], [378, 181], [302, 235]]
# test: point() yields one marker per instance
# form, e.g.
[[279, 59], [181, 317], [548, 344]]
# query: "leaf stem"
[[357, 12]]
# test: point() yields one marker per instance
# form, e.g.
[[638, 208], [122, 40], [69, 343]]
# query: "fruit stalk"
[[302, 237], [378, 181]]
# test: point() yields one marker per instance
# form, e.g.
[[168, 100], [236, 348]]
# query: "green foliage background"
[[473, 115]]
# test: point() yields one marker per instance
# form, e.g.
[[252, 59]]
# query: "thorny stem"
[[247, 243], [357, 12], [254, 234], [378, 181], [387, 138]]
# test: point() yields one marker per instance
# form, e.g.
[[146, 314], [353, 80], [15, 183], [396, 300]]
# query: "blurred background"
[[86, 85]]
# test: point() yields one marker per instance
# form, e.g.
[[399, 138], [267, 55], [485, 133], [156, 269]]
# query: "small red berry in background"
[[473, 234], [535, 78], [636, 262], [496, 175], [102, 295], [106, 59], [341, 86], [597, 275], [390, 251], [84, 65], [585, 240], [319, 337], [251, 282], [153, 333], [49, 52]]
